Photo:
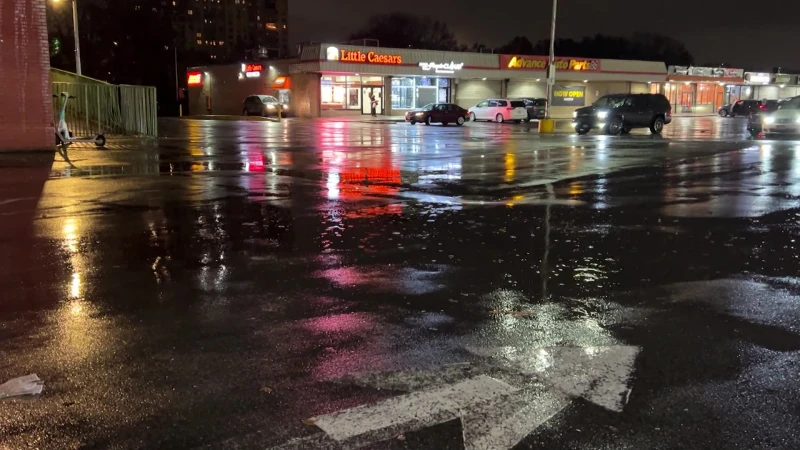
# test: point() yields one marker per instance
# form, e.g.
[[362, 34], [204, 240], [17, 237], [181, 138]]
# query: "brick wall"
[[26, 111]]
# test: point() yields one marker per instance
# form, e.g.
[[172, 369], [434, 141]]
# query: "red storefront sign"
[[540, 63]]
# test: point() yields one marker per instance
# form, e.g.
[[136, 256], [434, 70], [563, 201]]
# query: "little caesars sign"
[[540, 63]]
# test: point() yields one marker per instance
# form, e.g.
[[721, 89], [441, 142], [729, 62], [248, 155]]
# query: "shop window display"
[[415, 92], [344, 92]]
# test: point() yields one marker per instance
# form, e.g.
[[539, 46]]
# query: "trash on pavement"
[[27, 385]]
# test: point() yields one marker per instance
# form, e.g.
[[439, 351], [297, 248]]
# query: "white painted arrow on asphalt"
[[494, 414]]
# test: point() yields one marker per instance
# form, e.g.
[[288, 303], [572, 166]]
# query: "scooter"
[[63, 135]]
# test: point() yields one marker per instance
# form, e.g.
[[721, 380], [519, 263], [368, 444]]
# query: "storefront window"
[[415, 92], [342, 92]]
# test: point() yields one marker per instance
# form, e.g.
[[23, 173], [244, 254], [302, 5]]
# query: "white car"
[[499, 110], [786, 119]]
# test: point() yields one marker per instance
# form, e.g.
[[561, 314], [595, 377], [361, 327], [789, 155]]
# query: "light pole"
[[77, 34], [551, 67]]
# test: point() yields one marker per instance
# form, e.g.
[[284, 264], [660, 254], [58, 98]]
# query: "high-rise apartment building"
[[220, 30]]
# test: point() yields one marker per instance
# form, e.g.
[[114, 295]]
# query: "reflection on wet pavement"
[[286, 255]]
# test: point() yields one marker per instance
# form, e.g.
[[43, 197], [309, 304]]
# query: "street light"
[[75, 31]]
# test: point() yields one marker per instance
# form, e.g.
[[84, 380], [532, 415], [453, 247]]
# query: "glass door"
[[366, 102]]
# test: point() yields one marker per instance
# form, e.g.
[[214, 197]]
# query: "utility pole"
[[77, 38], [551, 67]]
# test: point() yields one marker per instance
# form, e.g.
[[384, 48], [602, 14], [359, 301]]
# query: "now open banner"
[[569, 96]]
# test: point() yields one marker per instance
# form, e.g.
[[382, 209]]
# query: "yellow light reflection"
[[511, 166], [75, 286]]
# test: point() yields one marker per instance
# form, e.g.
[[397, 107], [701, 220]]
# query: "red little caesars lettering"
[[371, 57], [384, 59]]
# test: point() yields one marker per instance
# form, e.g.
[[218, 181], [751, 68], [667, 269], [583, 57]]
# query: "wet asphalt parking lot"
[[342, 284]]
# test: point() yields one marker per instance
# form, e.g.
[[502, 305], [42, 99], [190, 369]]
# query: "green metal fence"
[[108, 109]]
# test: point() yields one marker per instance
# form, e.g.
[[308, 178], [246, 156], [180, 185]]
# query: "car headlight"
[[798, 120], [285, 106], [574, 114], [769, 120], [420, 113], [270, 106], [602, 114]]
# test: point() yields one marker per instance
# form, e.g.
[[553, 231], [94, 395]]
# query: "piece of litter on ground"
[[27, 385]]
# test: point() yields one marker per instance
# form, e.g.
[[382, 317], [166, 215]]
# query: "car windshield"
[[268, 99], [609, 101], [517, 103], [791, 104], [427, 107]]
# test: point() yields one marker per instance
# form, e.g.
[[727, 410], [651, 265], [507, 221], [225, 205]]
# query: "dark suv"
[[742, 108], [619, 113], [537, 108]]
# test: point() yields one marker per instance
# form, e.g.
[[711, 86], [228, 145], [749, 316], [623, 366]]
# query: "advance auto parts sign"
[[540, 63], [569, 96]]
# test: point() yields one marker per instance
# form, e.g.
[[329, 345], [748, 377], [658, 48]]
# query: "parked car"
[[771, 105], [263, 105], [499, 110], [444, 113], [537, 108], [784, 120], [619, 113], [741, 108]]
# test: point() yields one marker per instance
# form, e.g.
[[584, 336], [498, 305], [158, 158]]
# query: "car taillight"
[[510, 108], [669, 113], [762, 107]]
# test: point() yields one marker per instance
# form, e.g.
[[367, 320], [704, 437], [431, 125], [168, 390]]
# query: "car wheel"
[[428, 120], [460, 121], [527, 120], [413, 122], [723, 113], [626, 130], [499, 118], [472, 117], [582, 128], [657, 126], [614, 127]]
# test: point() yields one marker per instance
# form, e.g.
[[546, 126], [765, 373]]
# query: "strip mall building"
[[336, 80]]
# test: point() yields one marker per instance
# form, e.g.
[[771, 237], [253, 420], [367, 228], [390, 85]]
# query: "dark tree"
[[401, 30], [641, 46], [520, 45]]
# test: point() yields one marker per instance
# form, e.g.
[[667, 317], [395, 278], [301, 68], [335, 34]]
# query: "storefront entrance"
[[366, 105]]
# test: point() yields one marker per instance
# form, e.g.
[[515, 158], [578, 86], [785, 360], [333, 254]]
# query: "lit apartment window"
[[284, 27], [221, 42], [199, 42], [199, 34], [272, 26], [191, 12]]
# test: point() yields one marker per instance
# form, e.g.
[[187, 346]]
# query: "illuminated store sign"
[[194, 78], [357, 56], [540, 63], [450, 67], [758, 78], [252, 70]]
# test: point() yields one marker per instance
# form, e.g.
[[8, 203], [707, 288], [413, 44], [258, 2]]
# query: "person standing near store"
[[373, 103]]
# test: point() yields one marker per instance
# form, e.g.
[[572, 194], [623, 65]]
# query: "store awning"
[[282, 83]]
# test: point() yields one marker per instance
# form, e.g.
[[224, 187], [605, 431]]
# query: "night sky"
[[714, 31]]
